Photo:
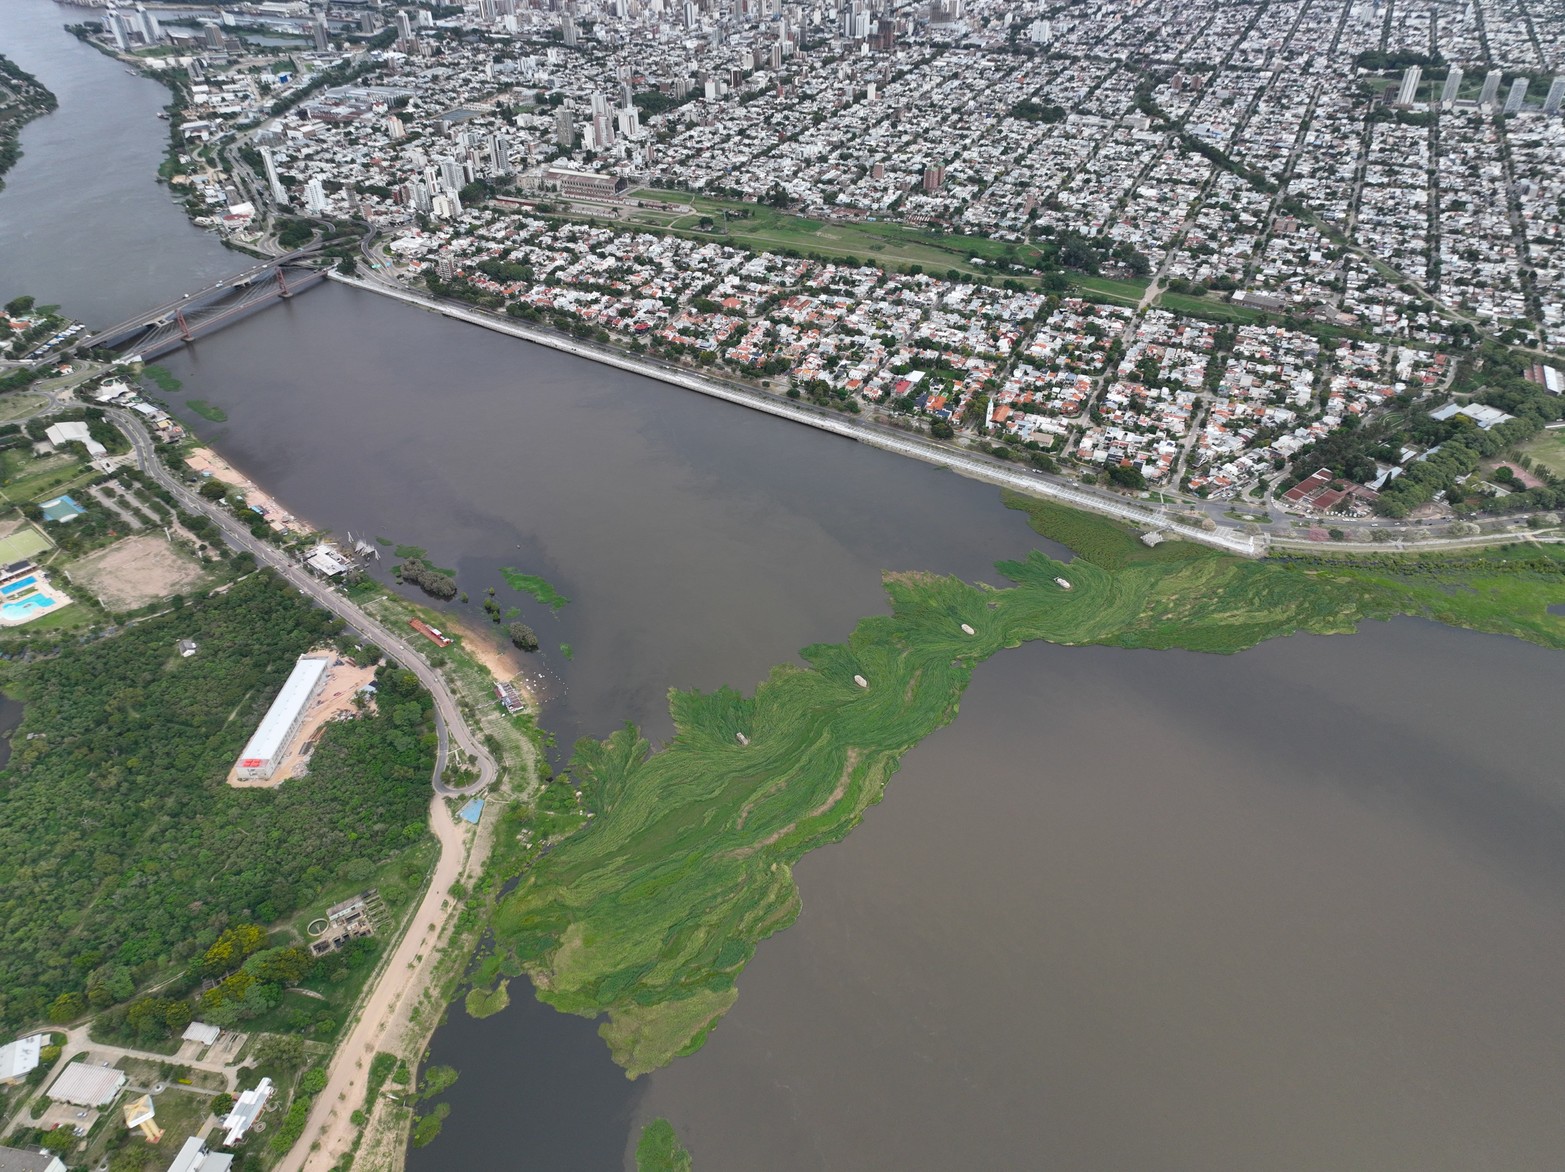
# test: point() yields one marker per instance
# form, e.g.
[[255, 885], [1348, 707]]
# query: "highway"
[[449, 725]]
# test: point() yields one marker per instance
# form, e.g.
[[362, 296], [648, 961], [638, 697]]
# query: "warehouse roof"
[[273, 729], [246, 1108], [194, 1157], [199, 1031], [21, 1056], [17, 1160], [87, 1085]]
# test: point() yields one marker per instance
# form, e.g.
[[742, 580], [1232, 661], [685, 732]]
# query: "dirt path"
[[383, 1017]]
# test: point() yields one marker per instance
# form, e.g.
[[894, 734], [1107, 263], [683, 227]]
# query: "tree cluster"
[[124, 854], [431, 581]]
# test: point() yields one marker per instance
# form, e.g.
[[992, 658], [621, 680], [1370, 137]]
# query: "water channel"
[[1296, 908]]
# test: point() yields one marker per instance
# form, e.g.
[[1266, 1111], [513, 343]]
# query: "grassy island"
[[659, 1149], [648, 914], [540, 588]]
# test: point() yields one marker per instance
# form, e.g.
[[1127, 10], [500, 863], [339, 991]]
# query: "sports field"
[[26, 542]]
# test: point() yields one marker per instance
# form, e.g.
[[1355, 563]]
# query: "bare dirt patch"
[[503, 663], [136, 571]]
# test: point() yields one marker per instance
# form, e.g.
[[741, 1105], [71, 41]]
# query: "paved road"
[[130, 326], [904, 443], [1229, 534], [449, 725]]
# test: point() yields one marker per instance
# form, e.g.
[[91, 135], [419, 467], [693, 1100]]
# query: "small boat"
[[1062, 583], [861, 681], [967, 630]]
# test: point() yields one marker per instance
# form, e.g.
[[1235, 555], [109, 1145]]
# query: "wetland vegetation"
[[647, 914], [532, 584]]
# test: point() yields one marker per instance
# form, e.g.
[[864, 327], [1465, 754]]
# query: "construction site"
[[322, 688]]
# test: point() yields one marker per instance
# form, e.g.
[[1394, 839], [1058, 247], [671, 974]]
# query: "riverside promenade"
[[969, 464]]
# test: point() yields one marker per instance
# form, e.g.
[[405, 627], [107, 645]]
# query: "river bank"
[[905, 444], [1125, 900], [29, 98], [688, 867]]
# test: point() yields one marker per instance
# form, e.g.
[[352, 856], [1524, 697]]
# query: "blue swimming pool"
[[15, 587], [26, 608]]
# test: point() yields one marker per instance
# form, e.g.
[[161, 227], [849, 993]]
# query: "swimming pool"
[[16, 587], [26, 608]]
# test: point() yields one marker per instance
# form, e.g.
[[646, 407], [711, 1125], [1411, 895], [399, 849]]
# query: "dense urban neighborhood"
[[1178, 253]]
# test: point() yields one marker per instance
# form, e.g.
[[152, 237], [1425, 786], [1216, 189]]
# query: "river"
[[1296, 908]]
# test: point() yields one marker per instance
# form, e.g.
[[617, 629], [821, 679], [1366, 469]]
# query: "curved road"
[[449, 725]]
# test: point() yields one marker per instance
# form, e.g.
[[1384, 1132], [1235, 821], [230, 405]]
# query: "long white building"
[[282, 719], [249, 1105]]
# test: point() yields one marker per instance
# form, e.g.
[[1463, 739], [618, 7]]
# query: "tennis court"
[[24, 543]]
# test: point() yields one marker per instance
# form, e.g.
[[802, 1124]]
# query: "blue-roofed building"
[[61, 508]]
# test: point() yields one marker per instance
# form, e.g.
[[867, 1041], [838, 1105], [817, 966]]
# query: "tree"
[[348, 266], [941, 429], [289, 966], [523, 636], [60, 1140], [279, 1050], [17, 306], [222, 1104], [214, 490], [1126, 476], [431, 582], [67, 1007]]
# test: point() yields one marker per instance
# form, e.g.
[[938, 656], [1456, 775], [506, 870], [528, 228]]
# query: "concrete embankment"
[[876, 435]]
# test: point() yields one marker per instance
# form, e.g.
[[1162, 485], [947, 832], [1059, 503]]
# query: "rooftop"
[[248, 1106], [274, 726], [21, 1056], [17, 1160], [87, 1084], [194, 1157]]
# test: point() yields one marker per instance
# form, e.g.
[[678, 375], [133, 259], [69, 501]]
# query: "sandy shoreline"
[[206, 461], [503, 663]]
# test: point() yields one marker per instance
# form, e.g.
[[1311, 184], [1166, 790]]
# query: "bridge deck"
[[169, 336], [152, 319]]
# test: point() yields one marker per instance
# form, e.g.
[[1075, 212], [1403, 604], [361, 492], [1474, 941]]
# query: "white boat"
[[1062, 583]]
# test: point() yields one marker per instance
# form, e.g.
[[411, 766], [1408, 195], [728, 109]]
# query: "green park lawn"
[[25, 477], [890, 245], [1211, 308], [26, 542], [1548, 449]]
